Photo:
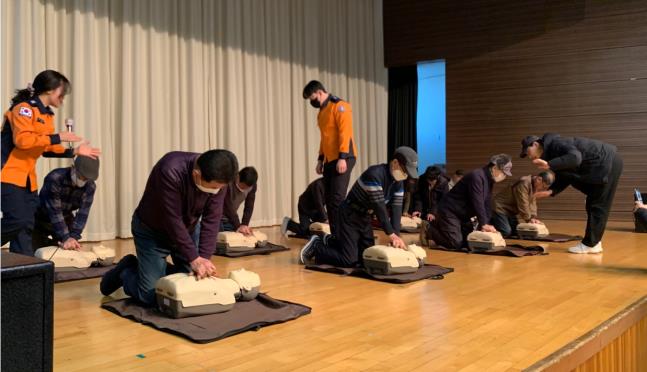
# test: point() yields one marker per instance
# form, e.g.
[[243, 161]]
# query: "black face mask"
[[314, 103]]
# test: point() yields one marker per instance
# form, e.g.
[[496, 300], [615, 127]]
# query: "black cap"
[[87, 167], [411, 158], [528, 141]]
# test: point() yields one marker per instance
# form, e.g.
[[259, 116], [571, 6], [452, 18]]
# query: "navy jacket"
[[173, 204], [472, 196], [374, 190], [577, 160], [313, 202], [427, 199]]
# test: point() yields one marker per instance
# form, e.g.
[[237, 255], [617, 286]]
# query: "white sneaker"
[[581, 248], [284, 226]]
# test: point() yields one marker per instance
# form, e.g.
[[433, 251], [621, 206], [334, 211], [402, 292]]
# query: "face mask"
[[77, 181], [314, 103], [398, 174], [206, 189]]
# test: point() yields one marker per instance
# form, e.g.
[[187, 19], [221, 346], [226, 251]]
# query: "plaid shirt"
[[59, 198]]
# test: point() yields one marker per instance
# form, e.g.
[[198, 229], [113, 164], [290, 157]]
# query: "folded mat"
[[426, 272], [512, 250], [267, 249], [79, 274], [555, 238], [246, 315]]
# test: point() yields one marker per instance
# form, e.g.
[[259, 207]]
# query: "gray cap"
[[503, 162], [411, 158], [87, 167]]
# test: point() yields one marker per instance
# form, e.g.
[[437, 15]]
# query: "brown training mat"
[[554, 238], [511, 250], [267, 249], [426, 272], [79, 274], [245, 316]]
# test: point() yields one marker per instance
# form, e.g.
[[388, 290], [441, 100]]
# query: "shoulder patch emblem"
[[341, 108], [25, 111]]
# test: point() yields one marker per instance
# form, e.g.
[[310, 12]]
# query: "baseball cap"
[[527, 141], [411, 158]]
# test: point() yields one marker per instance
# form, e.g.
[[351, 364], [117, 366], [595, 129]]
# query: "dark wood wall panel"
[[578, 68]]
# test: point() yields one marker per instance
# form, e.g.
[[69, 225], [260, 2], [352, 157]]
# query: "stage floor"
[[491, 314]]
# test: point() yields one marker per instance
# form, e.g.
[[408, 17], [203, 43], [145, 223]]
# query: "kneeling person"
[[65, 202], [243, 189], [182, 188], [312, 208], [378, 186], [472, 196], [518, 201]]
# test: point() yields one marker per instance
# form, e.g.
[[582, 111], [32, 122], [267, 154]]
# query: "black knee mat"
[[245, 316], [426, 272], [511, 250], [80, 274], [554, 238], [267, 249]]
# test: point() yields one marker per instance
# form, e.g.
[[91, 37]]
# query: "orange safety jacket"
[[28, 133], [335, 122]]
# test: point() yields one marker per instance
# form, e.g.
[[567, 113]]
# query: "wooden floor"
[[491, 314]]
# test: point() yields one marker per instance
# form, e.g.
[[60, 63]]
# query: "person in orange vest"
[[27, 133], [337, 149]]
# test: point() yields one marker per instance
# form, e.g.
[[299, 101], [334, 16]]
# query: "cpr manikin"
[[387, 260], [181, 295], [319, 228], [481, 240], [64, 259], [238, 242], [532, 230], [410, 223]]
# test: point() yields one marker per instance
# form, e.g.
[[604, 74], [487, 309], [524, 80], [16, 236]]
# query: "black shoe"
[[111, 281], [308, 250]]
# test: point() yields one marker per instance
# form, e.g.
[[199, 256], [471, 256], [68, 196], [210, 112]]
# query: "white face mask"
[[205, 189], [398, 174], [76, 180]]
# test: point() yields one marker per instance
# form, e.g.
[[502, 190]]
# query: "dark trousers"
[[43, 234], [345, 247], [506, 225], [449, 231], [19, 206], [598, 203], [306, 218], [152, 247], [640, 217], [335, 188]]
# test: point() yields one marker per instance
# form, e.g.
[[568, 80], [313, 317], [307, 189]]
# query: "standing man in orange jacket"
[[337, 149]]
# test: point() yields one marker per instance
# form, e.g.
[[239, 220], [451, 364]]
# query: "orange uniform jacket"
[[28, 133], [335, 121]]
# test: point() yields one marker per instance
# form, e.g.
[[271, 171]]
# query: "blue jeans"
[[505, 224], [152, 247], [225, 225]]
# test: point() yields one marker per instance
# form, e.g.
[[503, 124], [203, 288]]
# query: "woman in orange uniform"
[[28, 133]]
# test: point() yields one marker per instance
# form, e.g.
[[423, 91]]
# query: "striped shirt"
[[60, 198], [375, 189]]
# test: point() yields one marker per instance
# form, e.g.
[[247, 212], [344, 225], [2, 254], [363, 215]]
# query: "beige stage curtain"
[[153, 76]]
